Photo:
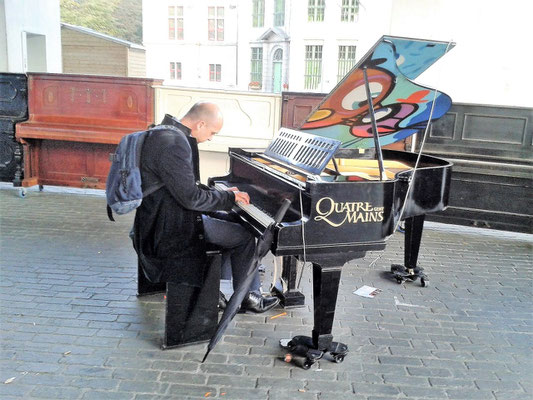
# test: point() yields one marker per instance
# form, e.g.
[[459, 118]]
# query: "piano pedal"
[[302, 354], [402, 274]]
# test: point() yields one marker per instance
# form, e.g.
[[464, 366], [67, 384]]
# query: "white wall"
[[3, 38], [492, 60], [250, 121], [33, 17]]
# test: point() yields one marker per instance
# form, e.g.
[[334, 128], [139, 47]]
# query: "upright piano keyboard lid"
[[401, 107], [303, 150]]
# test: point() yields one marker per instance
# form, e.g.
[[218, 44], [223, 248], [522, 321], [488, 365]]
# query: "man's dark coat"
[[168, 230]]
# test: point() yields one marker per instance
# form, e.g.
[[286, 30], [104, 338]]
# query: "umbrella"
[[261, 249]]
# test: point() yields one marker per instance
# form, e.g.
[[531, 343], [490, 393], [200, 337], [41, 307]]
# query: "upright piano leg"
[[290, 297], [413, 237]]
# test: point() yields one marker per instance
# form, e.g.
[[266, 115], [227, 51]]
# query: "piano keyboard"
[[259, 215]]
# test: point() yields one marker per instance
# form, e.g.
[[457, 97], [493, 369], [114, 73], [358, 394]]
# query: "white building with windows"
[[308, 45], [259, 45], [191, 43]]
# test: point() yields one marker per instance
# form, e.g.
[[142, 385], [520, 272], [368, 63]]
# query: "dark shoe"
[[257, 303], [222, 301]]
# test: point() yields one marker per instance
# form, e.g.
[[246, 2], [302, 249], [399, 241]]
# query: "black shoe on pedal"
[[222, 301], [257, 303]]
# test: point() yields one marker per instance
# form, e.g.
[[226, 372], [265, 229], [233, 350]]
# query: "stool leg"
[[191, 314], [144, 286]]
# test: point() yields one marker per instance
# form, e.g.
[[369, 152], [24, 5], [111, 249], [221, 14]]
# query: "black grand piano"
[[347, 194]]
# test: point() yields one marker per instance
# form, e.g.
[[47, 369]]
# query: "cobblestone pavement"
[[73, 328]]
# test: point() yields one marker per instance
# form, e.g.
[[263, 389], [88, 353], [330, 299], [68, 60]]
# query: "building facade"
[[190, 43], [307, 45], [259, 45], [30, 38], [86, 51]]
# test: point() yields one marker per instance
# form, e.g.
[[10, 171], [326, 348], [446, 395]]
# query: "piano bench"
[[191, 313]]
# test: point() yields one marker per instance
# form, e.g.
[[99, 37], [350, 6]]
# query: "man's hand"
[[240, 197]]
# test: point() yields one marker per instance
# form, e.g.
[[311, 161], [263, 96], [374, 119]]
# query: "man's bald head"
[[204, 120]]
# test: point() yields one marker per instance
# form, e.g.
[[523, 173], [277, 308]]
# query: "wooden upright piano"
[[76, 121]]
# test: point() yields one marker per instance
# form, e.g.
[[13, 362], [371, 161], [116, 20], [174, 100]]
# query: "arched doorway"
[[277, 68]]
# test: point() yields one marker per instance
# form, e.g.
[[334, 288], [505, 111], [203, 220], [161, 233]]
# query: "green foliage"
[[118, 18]]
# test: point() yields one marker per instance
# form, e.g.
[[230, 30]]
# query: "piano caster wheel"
[[307, 364], [424, 282], [22, 193], [399, 281], [303, 355]]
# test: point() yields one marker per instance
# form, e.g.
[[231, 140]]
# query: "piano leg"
[[325, 288], [410, 271], [305, 350], [291, 297], [413, 237]]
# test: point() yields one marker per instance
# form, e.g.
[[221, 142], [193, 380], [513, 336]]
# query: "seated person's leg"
[[240, 245]]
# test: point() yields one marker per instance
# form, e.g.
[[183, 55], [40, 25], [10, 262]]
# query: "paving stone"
[[49, 392], [101, 395], [182, 390]]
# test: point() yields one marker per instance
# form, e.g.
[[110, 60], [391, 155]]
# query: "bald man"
[[171, 229]]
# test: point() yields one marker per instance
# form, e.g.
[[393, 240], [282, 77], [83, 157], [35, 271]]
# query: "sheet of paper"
[[367, 291]]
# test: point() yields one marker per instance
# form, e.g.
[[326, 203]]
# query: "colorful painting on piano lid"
[[401, 107]]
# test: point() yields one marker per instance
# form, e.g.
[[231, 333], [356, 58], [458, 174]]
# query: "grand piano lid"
[[401, 107]]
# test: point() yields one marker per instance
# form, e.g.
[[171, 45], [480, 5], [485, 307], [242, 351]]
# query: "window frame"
[[279, 12], [215, 23], [316, 10], [346, 60], [258, 13], [313, 57], [349, 10], [175, 70], [175, 23], [256, 66], [215, 72]]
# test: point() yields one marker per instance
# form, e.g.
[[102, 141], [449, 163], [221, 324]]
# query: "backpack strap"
[[148, 191], [110, 213]]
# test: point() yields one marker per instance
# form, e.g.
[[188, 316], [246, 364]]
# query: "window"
[[215, 22], [256, 76], [175, 23], [313, 66], [258, 13], [215, 72], [346, 61], [349, 10], [315, 10], [279, 13], [175, 70]]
